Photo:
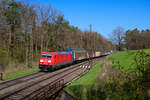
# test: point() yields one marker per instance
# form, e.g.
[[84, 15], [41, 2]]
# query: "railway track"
[[69, 74], [22, 79], [6, 92], [22, 88], [19, 80]]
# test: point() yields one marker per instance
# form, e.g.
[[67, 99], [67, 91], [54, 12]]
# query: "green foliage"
[[36, 57], [131, 61], [124, 61], [13, 12], [142, 60], [81, 87], [116, 91], [121, 86], [4, 58], [132, 87], [127, 89], [136, 39], [19, 56]]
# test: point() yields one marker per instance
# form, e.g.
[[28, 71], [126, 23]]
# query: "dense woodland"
[[136, 39], [27, 29], [130, 39]]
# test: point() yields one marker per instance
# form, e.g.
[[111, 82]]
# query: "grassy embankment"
[[80, 87], [125, 60], [20, 73], [13, 67], [135, 65], [114, 80]]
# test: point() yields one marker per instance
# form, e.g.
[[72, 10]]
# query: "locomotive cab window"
[[46, 56], [49, 56]]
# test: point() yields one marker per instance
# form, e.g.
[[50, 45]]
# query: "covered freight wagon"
[[91, 54], [97, 53], [78, 54]]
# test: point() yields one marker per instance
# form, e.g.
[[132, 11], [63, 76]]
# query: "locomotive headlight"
[[41, 60], [49, 61]]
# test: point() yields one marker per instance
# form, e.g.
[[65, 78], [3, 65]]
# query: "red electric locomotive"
[[53, 60]]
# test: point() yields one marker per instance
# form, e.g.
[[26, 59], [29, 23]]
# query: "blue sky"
[[104, 15]]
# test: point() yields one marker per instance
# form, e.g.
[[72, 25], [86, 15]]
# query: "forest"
[[27, 29], [134, 39]]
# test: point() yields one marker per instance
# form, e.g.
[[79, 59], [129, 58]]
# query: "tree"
[[13, 15], [117, 37], [46, 16], [133, 40], [27, 29], [28, 26], [145, 39], [3, 24]]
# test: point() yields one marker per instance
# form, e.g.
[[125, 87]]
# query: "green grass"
[[147, 51], [5, 59], [80, 87], [89, 78], [20, 73], [125, 60], [88, 88]]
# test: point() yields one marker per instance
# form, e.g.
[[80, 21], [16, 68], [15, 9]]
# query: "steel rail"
[[51, 83], [20, 81], [15, 92]]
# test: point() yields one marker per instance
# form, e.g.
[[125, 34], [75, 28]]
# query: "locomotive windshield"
[[46, 56]]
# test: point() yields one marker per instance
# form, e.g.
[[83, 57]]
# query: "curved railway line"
[[24, 87]]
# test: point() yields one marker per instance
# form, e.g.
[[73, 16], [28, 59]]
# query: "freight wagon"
[[78, 54], [97, 53]]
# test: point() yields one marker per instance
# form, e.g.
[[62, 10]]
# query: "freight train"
[[55, 59]]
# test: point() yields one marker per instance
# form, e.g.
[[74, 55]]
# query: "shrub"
[[131, 87], [19, 56], [4, 58], [115, 84]]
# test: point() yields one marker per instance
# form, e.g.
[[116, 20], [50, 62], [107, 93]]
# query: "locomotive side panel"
[[54, 60]]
